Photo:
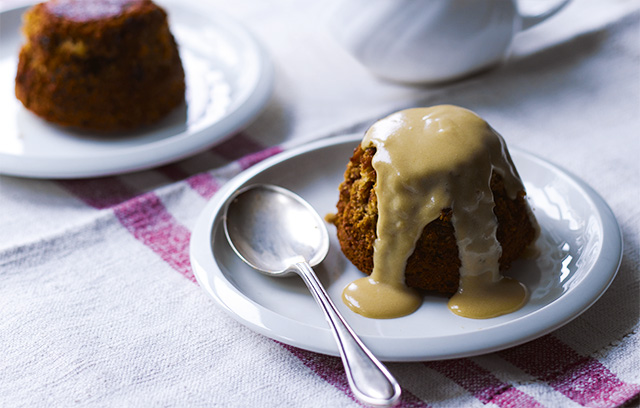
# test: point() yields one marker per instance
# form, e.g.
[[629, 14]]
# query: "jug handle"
[[529, 21]]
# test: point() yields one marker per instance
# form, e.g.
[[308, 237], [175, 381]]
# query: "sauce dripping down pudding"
[[427, 160]]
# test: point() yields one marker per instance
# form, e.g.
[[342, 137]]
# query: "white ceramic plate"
[[580, 247], [229, 80]]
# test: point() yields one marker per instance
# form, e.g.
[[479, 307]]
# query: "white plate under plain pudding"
[[580, 244], [229, 80]]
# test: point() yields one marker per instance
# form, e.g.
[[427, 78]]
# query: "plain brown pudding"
[[99, 64]]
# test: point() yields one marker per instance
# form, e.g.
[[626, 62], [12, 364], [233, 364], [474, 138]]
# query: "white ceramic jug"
[[421, 41]]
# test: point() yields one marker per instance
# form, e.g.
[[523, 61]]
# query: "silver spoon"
[[278, 233]]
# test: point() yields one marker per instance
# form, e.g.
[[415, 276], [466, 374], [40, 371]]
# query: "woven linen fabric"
[[99, 305]]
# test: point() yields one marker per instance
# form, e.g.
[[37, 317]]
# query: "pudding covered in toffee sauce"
[[431, 201]]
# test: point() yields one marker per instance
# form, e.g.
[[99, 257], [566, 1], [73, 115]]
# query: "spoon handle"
[[368, 378]]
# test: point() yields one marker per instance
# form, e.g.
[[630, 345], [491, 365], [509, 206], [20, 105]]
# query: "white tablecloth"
[[98, 305]]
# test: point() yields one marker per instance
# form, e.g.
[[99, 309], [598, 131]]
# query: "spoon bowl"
[[276, 232], [270, 229]]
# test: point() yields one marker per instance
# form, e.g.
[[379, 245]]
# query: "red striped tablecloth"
[[99, 305]]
